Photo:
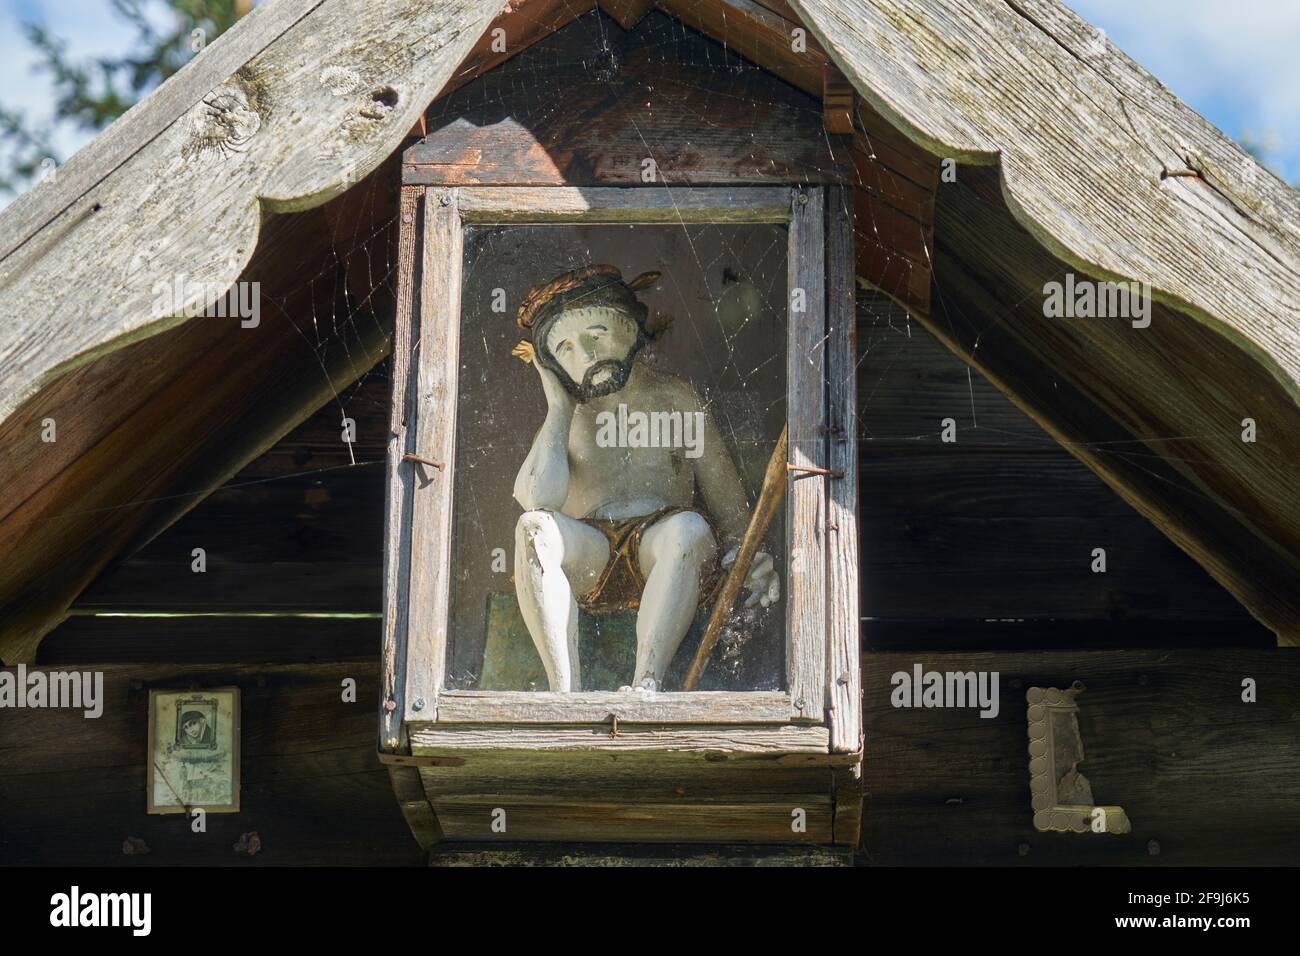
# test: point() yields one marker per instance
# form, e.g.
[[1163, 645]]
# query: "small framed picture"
[[194, 750]]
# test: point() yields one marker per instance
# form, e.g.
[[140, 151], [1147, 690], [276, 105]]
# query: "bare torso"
[[611, 480]]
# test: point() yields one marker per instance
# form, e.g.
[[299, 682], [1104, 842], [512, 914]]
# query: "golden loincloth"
[[621, 583]]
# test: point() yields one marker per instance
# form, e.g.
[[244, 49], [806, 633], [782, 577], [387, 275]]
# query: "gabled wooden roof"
[[1096, 167]]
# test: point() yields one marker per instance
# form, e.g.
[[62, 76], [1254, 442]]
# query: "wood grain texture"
[[1166, 735], [144, 434], [648, 205], [759, 35], [292, 123], [843, 632], [805, 590], [1110, 174], [436, 357], [433, 740], [734, 820], [694, 775], [627, 13], [635, 855], [847, 793], [529, 707], [672, 103], [415, 807], [87, 168], [400, 474], [1156, 412], [837, 102], [524, 22], [74, 789]]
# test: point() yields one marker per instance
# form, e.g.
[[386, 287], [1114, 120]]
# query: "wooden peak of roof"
[[1097, 162]]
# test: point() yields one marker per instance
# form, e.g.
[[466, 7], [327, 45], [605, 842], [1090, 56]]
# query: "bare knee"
[[686, 537], [537, 536]]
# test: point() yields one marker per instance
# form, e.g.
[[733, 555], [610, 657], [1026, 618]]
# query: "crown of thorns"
[[589, 287]]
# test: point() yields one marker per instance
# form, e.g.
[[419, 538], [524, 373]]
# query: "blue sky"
[[1237, 62]]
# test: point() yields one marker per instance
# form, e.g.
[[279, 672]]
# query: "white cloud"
[[90, 28], [1237, 62]]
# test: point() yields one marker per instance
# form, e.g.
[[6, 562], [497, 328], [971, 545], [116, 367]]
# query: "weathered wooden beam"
[[635, 855], [178, 414], [519, 25], [774, 42], [843, 586], [1206, 776], [659, 107], [56, 195], [837, 102], [627, 13], [122, 637], [73, 789], [1156, 411], [1117, 180], [298, 109]]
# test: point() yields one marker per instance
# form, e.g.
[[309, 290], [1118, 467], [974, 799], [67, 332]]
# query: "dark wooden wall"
[[72, 790], [985, 542], [967, 547]]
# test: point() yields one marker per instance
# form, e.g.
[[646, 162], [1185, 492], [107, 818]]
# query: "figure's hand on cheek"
[[762, 582], [557, 396]]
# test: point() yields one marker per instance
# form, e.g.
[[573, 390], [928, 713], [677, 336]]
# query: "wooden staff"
[[769, 496]]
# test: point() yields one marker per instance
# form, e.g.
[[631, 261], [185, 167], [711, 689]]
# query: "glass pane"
[[612, 438]]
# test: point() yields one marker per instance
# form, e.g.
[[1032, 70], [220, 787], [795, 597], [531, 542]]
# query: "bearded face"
[[594, 349]]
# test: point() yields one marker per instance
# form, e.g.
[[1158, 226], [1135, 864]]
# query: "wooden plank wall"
[[986, 541], [73, 789], [1205, 778], [981, 543], [1210, 779], [998, 524]]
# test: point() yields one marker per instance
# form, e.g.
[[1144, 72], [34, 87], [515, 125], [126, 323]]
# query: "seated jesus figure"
[[610, 516]]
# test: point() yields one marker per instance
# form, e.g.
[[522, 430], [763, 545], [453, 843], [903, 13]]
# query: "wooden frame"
[[151, 767], [821, 591], [1054, 734]]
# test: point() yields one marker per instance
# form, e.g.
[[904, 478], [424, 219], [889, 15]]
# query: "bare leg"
[[554, 556], [674, 553]]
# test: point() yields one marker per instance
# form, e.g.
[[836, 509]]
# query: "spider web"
[[351, 290]]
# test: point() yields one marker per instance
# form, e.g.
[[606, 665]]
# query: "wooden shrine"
[[775, 765]]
